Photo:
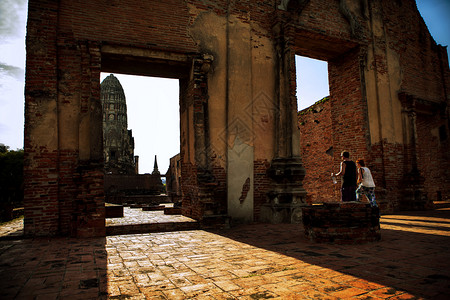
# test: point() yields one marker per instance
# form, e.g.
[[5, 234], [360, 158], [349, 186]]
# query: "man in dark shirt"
[[348, 173]]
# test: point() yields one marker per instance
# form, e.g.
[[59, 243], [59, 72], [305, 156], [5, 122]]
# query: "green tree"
[[11, 181], [3, 148]]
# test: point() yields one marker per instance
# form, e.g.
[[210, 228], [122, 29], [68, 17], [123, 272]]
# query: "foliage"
[[11, 180], [312, 107], [3, 148]]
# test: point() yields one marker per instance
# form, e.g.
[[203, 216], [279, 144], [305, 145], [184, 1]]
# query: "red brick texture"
[[262, 185], [317, 152]]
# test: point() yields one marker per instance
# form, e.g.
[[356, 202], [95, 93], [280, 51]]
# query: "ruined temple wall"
[[40, 137], [240, 106], [243, 103], [434, 157], [407, 61], [242, 95], [61, 130], [400, 57], [325, 17], [419, 56], [155, 24], [349, 109], [424, 74], [233, 113]]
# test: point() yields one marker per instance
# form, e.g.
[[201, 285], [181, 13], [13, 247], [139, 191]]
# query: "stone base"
[[172, 210], [342, 223], [281, 213], [113, 211], [153, 208], [136, 200], [215, 222]]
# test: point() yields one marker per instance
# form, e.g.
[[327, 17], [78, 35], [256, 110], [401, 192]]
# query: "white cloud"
[[12, 19], [12, 76]]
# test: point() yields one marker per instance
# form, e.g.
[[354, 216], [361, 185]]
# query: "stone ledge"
[[149, 228]]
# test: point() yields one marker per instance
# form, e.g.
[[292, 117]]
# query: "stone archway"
[[77, 163]]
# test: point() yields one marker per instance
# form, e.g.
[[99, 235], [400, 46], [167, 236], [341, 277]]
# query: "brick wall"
[[409, 37], [155, 24], [88, 213], [434, 156], [261, 184], [426, 78], [40, 165], [140, 184], [41, 193], [317, 152], [189, 188]]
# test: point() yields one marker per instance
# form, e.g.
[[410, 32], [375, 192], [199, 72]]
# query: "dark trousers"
[[348, 193]]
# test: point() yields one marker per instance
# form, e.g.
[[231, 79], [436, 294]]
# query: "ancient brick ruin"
[[241, 155], [122, 182], [173, 180], [118, 141]]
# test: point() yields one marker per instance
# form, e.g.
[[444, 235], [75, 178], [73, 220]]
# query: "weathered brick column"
[[342, 223]]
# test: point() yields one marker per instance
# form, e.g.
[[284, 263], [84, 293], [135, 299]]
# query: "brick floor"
[[257, 261]]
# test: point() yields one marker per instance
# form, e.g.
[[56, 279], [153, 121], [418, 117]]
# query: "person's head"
[[345, 154], [360, 162]]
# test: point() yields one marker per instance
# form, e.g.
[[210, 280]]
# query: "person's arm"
[[342, 170], [360, 175]]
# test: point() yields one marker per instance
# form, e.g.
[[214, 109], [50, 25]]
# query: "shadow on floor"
[[413, 254]]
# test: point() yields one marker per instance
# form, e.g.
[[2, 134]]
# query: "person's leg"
[[365, 193], [348, 193], [359, 193], [353, 193], [344, 194], [371, 196]]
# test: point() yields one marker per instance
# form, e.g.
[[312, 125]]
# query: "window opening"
[[312, 81], [152, 115]]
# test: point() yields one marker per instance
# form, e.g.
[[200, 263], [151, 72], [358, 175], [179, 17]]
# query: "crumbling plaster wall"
[[241, 104]]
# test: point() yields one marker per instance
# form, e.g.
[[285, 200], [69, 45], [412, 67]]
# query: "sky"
[[153, 102]]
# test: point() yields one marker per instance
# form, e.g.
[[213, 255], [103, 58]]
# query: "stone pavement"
[[257, 261], [12, 229]]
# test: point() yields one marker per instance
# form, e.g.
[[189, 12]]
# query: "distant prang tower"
[[118, 141]]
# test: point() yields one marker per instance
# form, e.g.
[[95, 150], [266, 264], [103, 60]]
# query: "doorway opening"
[[141, 135]]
